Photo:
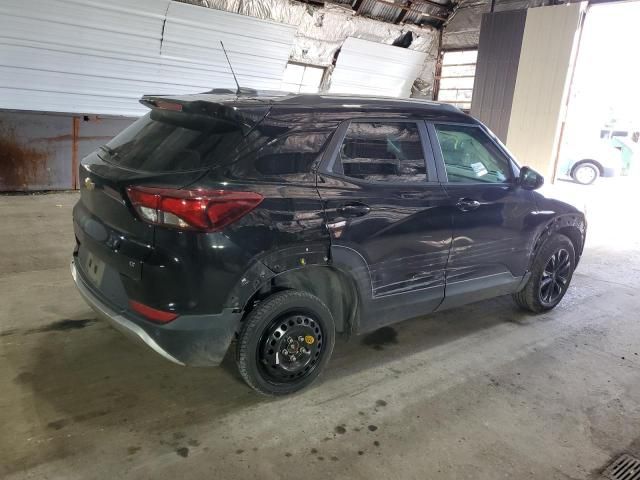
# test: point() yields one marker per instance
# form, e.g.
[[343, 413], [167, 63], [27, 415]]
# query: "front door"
[[388, 218], [493, 226]]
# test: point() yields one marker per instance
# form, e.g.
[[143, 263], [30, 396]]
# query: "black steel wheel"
[[285, 343], [290, 347], [551, 274]]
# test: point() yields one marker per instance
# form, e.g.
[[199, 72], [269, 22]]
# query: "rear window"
[[167, 141]]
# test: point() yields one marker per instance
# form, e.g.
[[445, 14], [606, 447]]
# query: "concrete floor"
[[480, 392]]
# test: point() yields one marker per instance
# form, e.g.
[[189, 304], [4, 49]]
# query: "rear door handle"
[[412, 196], [355, 209], [467, 204]]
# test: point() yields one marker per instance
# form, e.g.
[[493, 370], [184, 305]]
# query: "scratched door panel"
[[496, 237], [389, 219], [404, 239]]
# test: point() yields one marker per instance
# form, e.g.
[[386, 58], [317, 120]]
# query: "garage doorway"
[[603, 119], [598, 160]]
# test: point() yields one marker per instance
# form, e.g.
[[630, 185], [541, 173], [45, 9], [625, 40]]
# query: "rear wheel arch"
[[332, 286]]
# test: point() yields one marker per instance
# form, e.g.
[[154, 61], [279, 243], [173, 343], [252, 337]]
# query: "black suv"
[[280, 221]]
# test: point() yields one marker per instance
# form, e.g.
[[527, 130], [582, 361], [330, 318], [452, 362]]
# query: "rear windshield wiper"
[[109, 150]]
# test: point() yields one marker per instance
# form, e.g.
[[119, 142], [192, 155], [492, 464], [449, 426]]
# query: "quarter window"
[[382, 152], [471, 157], [288, 157], [291, 154]]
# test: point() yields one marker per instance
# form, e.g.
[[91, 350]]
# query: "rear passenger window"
[[471, 157], [382, 152]]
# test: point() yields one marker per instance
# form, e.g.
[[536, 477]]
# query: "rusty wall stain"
[[21, 165], [42, 151]]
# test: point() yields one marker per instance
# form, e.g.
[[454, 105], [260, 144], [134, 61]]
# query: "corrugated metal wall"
[[85, 56], [193, 60], [369, 68], [41, 151], [548, 51], [79, 56], [497, 68]]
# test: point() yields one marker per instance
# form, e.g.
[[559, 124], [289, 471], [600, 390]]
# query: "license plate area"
[[101, 276], [94, 268]]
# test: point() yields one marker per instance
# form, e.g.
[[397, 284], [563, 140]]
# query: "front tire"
[[285, 343], [585, 173], [551, 275]]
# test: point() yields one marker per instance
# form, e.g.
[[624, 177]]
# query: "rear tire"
[[551, 275], [585, 173], [285, 343]]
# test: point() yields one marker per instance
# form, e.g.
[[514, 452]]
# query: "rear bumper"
[[193, 340]]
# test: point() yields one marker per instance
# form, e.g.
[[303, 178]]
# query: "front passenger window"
[[471, 157], [382, 152]]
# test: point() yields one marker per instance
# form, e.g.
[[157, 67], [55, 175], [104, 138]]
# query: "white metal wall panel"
[[79, 56], [548, 50], [86, 56], [192, 56], [369, 68]]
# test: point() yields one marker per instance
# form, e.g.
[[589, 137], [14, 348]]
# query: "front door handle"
[[467, 204], [353, 209]]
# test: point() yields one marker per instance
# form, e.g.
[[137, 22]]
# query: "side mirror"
[[529, 179]]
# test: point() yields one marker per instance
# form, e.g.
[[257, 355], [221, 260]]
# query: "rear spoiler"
[[217, 105]]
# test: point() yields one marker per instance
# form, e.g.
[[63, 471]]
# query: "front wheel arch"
[[530, 297], [572, 226]]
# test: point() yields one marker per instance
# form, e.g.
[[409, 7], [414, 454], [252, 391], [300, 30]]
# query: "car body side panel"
[[287, 230], [375, 312], [397, 252], [496, 237], [491, 243]]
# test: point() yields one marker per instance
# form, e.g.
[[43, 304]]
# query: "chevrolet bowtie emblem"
[[88, 184]]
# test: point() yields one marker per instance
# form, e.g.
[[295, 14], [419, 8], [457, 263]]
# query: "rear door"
[[493, 227], [387, 217]]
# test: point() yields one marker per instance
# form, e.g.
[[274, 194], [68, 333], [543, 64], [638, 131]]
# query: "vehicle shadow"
[[94, 379]]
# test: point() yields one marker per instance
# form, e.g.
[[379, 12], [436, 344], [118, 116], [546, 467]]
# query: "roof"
[[339, 104], [346, 100], [348, 106]]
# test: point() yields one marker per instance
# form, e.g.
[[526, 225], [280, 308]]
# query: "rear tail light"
[[153, 314], [205, 210]]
